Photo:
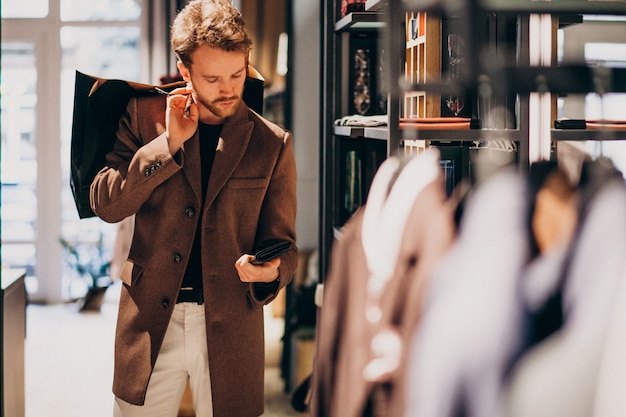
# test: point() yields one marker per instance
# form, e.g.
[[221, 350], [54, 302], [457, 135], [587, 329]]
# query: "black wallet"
[[270, 252], [570, 124]]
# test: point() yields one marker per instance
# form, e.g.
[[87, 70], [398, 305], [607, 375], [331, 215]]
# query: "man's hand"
[[266, 272], [181, 118]]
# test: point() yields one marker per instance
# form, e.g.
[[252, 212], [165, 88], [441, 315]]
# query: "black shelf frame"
[[359, 20], [606, 7], [587, 134], [516, 78], [519, 7], [336, 32]]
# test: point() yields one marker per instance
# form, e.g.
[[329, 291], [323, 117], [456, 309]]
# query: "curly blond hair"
[[215, 23]]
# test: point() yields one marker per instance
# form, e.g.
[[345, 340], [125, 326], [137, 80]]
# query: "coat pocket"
[[246, 183], [130, 273]]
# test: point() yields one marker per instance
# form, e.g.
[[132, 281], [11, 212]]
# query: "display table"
[[13, 304]]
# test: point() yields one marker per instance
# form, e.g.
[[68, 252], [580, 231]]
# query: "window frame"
[[48, 286]]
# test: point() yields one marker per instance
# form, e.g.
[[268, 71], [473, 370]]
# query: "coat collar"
[[231, 147]]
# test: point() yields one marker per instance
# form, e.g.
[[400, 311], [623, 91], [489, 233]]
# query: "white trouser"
[[183, 356]]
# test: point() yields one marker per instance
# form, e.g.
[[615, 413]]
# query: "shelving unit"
[[523, 79], [422, 64], [350, 155], [500, 71]]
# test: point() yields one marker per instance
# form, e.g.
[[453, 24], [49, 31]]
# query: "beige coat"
[[340, 386], [251, 197]]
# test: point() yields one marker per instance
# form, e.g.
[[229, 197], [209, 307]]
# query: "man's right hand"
[[181, 117]]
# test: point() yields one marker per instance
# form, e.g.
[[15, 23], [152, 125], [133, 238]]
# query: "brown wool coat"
[[251, 197]]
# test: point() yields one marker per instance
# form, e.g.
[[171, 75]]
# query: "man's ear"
[[184, 71]]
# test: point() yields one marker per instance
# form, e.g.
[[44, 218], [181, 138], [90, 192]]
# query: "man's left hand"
[[266, 272]]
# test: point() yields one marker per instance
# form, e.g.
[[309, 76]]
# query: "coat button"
[[177, 258], [190, 212], [165, 302]]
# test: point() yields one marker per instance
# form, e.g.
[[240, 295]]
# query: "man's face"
[[217, 78]]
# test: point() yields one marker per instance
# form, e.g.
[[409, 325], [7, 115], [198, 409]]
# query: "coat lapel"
[[230, 149]]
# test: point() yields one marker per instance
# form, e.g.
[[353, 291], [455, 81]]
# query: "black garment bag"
[[99, 103]]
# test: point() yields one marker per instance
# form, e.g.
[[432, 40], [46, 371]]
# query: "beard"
[[215, 108]]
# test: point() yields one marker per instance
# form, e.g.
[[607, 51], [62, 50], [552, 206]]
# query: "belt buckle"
[[190, 295]]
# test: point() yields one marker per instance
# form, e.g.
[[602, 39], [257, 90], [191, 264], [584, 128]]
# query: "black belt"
[[190, 295]]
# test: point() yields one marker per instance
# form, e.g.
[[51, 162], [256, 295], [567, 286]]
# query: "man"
[[209, 182]]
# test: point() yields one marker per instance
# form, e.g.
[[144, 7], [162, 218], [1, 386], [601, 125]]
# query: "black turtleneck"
[[209, 135]]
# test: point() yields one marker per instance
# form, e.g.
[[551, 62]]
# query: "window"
[[599, 42], [24, 9], [19, 154], [609, 106], [40, 55]]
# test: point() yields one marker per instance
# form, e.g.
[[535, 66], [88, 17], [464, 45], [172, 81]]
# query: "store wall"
[[265, 21]]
